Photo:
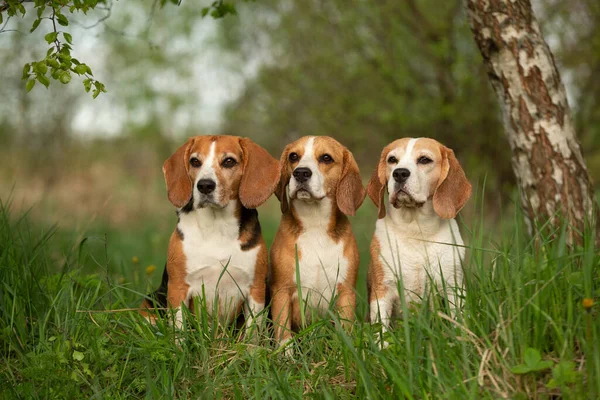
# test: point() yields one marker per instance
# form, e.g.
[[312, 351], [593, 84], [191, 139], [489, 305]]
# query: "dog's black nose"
[[206, 186], [302, 174], [401, 175]]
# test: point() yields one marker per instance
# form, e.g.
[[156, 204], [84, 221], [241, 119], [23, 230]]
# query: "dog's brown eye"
[[326, 158], [392, 160], [424, 160], [229, 162], [293, 157], [194, 162]]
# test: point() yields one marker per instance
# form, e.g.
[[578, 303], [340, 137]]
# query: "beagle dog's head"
[[210, 171], [315, 167], [415, 171]]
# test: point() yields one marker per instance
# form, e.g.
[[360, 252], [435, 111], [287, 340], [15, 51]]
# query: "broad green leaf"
[[29, 85], [65, 77], [68, 37], [542, 365], [51, 37], [43, 79], [520, 369], [62, 20], [531, 357], [77, 355], [80, 69], [26, 68], [36, 23]]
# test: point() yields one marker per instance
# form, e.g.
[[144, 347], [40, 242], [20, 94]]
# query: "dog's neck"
[[213, 220], [316, 214], [419, 221]]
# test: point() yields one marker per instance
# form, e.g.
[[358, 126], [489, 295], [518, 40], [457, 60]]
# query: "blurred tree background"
[[363, 72]]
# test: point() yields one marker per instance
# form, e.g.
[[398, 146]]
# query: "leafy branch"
[[59, 64]]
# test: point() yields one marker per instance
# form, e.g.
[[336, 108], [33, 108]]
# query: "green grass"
[[523, 333]]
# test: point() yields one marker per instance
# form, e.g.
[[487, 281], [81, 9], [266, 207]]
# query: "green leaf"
[[1, 18], [62, 20], [80, 69], [205, 11], [43, 79], [30, 84], [51, 37], [36, 23], [26, 68], [65, 77], [542, 365], [77, 355], [87, 84], [520, 369], [68, 37], [40, 10], [531, 357], [40, 67]]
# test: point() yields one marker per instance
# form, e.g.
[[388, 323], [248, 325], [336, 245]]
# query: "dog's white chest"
[[322, 267], [418, 256], [216, 266]]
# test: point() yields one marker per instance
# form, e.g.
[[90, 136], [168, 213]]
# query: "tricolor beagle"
[[217, 250], [417, 239], [324, 186]]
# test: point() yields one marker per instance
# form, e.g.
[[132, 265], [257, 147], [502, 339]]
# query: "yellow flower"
[[135, 260], [150, 269], [587, 303]]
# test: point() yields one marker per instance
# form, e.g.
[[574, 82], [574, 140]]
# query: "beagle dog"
[[217, 250], [315, 234], [416, 239]]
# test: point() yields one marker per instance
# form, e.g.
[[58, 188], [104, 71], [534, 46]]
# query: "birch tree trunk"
[[546, 156]]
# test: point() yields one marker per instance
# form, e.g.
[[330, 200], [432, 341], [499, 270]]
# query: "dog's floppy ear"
[[260, 176], [175, 169], [350, 192], [377, 184], [284, 180], [453, 188]]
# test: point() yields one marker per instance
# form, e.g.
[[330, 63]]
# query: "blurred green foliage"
[[365, 73]]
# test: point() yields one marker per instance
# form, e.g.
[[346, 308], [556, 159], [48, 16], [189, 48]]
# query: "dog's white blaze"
[[408, 153], [207, 171], [308, 160], [414, 184], [208, 168], [215, 262], [321, 260]]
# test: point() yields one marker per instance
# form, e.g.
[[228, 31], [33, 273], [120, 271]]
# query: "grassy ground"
[[524, 332]]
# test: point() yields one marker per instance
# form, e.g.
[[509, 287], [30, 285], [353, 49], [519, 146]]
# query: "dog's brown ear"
[[260, 176], [175, 169], [284, 180], [377, 184], [453, 188], [350, 192]]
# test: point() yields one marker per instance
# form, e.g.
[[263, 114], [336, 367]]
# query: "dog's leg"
[[176, 295], [282, 318], [381, 308], [254, 306], [346, 305]]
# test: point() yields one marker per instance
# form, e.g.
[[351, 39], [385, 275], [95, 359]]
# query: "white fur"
[[207, 171], [316, 181], [322, 262], [216, 264]]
